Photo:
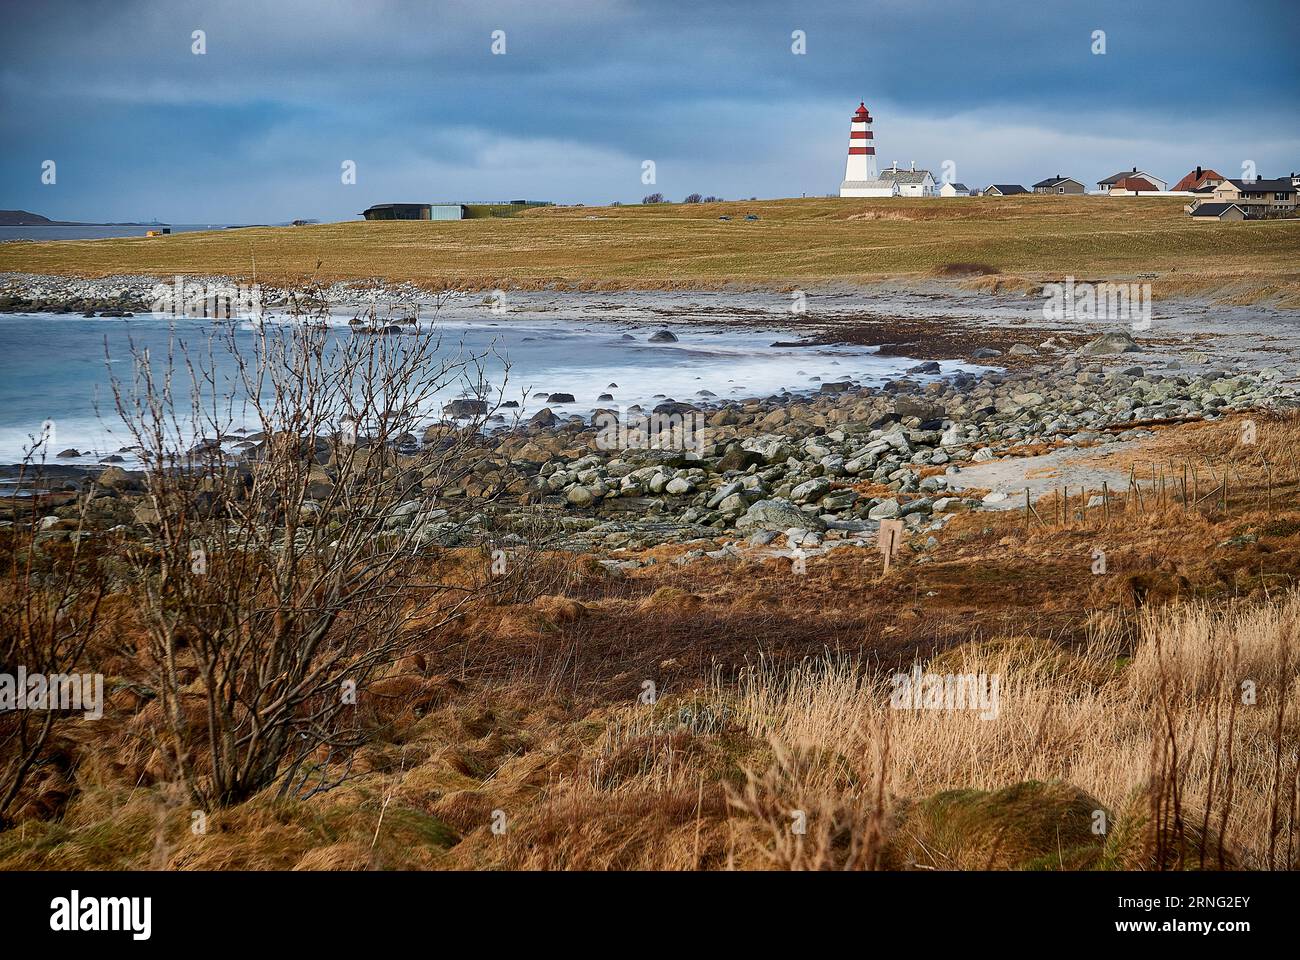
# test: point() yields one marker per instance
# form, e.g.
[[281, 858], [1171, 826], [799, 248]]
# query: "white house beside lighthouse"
[[860, 176]]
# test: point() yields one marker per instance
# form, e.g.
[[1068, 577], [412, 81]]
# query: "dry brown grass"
[[1120, 693], [798, 241], [717, 778], [1082, 719]]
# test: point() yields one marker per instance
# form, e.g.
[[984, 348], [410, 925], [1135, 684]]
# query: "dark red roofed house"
[[1199, 179], [1132, 185]]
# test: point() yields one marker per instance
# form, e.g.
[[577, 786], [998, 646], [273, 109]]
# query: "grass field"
[[800, 241]]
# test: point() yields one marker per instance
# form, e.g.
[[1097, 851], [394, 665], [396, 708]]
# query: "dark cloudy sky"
[[256, 129]]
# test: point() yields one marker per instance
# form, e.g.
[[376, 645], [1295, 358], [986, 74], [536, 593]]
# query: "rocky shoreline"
[[790, 472], [130, 294], [794, 471]]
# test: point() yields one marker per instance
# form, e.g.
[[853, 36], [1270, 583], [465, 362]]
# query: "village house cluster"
[[1213, 197]]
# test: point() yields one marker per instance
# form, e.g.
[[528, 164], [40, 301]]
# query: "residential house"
[[1218, 212], [1198, 180], [954, 190], [1132, 186], [1259, 198], [1003, 190], [1060, 185], [1110, 183], [911, 183]]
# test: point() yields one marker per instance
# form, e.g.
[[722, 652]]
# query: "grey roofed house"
[[1275, 185], [1004, 190], [1219, 211], [1115, 178], [1058, 184], [905, 177]]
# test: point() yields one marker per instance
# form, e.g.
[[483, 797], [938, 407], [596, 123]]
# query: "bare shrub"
[[274, 588], [49, 607]]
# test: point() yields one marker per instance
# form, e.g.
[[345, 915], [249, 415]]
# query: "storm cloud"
[[256, 128]]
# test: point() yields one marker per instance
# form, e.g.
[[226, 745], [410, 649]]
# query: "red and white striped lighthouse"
[[860, 171]]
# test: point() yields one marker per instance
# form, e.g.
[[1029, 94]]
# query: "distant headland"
[[25, 218]]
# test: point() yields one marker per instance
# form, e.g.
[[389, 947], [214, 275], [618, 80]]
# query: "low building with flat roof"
[[397, 211]]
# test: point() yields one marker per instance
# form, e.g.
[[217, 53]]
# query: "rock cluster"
[[791, 464]]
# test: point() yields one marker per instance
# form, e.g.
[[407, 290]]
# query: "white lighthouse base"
[[868, 188]]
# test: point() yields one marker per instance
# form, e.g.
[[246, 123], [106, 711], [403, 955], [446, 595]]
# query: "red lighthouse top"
[[861, 116]]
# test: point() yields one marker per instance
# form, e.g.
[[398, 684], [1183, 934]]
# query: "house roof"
[[1135, 184], [1214, 209], [1053, 181], [906, 176], [1282, 184], [1196, 178], [1122, 175], [1007, 188], [959, 186]]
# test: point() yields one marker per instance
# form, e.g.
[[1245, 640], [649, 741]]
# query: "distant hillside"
[[21, 218], [25, 218]]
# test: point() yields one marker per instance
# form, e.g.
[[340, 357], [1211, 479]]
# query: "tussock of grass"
[[1027, 825]]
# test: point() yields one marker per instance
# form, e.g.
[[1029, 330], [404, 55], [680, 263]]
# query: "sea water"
[[57, 371]]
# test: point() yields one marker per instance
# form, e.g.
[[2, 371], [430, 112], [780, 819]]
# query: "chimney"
[[1198, 171]]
